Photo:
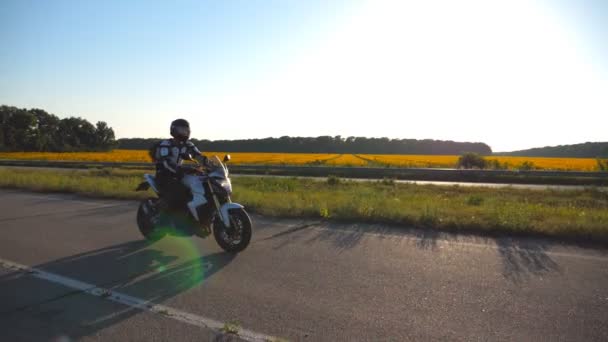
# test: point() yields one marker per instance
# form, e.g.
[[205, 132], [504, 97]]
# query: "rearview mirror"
[[226, 158]]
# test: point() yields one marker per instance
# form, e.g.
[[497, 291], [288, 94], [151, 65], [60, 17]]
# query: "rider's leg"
[[198, 193]]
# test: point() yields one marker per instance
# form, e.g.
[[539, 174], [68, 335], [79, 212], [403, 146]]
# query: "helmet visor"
[[182, 132]]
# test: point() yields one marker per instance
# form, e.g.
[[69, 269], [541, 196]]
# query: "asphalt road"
[[299, 280]]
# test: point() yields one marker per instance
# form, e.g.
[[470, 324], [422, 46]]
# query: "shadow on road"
[[520, 257], [153, 273]]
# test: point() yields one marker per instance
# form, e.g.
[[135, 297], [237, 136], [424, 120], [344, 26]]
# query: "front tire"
[[241, 230], [144, 223]]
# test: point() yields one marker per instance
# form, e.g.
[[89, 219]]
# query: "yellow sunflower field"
[[413, 161]]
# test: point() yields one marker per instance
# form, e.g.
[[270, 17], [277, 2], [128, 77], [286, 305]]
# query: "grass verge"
[[578, 213], [231, 327]]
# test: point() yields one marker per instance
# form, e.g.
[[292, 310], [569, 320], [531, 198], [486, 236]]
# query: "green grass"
[[580, 213], [231, 327], [277, 339], [97, 183]]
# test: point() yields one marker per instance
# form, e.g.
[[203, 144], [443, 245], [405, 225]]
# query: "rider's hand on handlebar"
[[191, 170]]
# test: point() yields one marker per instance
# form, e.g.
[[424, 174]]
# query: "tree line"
[[326, 144], [37, 130], [584, 150]]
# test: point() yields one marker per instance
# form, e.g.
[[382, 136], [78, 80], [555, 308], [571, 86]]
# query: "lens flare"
[[181, 264], [165, 268]]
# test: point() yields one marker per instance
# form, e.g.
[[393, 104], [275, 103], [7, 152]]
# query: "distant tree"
[[602, 165], [497, 165], [526, 166], [471, 161], [21, 133], [37, 130], [3, 124], [80, 134], [104, 136], [47, 126], [328, 144], [584, 150]]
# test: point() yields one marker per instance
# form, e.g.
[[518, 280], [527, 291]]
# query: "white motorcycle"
[[168, 212]]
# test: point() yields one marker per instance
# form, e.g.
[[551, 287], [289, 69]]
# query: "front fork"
[[218, 207]]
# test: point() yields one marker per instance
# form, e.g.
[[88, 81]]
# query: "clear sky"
[[514, 74]]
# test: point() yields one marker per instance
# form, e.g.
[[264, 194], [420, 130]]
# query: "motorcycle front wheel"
[[236, 238]]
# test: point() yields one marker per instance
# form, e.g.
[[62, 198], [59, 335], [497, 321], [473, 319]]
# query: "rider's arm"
[[196, 153], [169, 163], [165, 161]]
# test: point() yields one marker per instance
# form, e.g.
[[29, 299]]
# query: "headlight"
[[226, 185]]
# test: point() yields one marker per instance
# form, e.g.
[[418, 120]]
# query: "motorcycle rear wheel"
[[144, 223]]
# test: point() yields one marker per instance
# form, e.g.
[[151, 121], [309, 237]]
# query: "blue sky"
[[513, 74]]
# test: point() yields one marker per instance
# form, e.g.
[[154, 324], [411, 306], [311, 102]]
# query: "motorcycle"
[[168, 212]]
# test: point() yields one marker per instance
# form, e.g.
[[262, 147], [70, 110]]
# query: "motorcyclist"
[[169, 157]]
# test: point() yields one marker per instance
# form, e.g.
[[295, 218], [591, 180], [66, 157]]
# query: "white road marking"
[[133, 302]]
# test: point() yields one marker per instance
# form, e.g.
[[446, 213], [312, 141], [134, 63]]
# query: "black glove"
[[203, 161]]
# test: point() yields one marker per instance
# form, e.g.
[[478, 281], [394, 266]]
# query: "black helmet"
[[180, 129]]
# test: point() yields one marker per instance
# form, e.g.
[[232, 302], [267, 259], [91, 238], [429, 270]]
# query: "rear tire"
[[146, 227], [239, 240]]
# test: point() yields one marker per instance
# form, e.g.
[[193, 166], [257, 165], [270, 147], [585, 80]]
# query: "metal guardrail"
[[324, 171], [367, 172]]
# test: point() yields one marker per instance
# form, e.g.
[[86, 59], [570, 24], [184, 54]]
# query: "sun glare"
[[460, 70]]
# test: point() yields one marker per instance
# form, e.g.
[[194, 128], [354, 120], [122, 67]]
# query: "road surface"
[[77, 269]]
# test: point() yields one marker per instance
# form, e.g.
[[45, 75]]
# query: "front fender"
[[224, 211]]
